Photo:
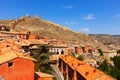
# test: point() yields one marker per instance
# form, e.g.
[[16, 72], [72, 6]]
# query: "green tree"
[[111, 70], [77, 56], [73, 54], [115, 73], [116, 61], [43, 62], [81, 58], [100, 51], [118, 51], [104, 65]]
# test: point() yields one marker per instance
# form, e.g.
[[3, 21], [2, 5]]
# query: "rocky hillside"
[[107, 39], [52, 30], [5, 22]]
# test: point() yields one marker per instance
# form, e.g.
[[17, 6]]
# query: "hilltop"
[[52, 30]]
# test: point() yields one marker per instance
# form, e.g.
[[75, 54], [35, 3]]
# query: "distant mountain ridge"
[[107, 39], [55, 31]]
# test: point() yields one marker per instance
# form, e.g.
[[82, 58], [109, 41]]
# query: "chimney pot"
[[72, 64], [87, 73], [91, 65], [94, 70]]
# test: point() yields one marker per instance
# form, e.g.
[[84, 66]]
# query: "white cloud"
[[90, 17], [68, 6], [70, 23], [84, 30]]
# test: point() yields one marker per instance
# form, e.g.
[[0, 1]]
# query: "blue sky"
[[87, 16]]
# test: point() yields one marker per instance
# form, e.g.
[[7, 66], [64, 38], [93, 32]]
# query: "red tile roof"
[[7, 54], [87, 71]]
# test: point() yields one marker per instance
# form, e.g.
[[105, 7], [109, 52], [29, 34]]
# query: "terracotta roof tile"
[[7, 54], [87, 71]]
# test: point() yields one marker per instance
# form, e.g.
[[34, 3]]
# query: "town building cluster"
[[15, 60], [16, 63]]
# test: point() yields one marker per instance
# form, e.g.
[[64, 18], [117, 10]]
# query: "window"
[[57, 52], [62, 52], [54, 50], [10, 64], [18, 41], [7, 46]]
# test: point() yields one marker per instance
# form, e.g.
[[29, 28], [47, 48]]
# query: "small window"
[[57, 52], [62, 52], [7, 46], [54, 50], [18, 41], [10, 64]]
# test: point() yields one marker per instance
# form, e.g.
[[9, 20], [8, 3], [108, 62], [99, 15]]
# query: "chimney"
[[91, 65], [72, 64], [87, 73], [94, 70], [0, 52], [78, 64]]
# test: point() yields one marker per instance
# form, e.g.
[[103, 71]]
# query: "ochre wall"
[[22, 69]]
